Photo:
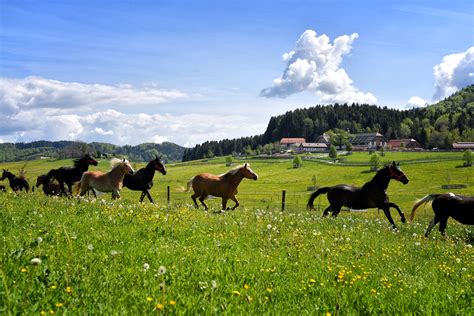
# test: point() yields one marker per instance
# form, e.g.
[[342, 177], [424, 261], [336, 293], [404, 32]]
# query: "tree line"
[[438, 125]]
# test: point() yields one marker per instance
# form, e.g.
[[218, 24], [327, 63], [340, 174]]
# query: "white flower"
[[35, 261], [458, 260], [39, 239], [113, 253], [90, 247], [146, 266], [269, 226], [414, 235], [469, 246], [161, 270], [417, 243], [214, 284]]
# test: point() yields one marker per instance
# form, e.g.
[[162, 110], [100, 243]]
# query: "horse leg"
[[326, 211], [224, 203], [149, 196], [142, 196], [194, 196], [202, 198], [93, 192], [115, 194], [442, 225], [336, 211], [233, 198], [395, 206], [386, 211], [433, 222]]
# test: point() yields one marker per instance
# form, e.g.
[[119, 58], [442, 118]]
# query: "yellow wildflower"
[[269, 290], [69, 289], [23, 270], [160, 306], [246, 286], [236, 293], [59, 304], [312, 280], [172, 302], [149, 299]]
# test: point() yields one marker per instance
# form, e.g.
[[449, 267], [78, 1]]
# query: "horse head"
[[159, 166], [248, 173], [40, 180], [5, 174], [127, 167], [396, 173], [90, 160]]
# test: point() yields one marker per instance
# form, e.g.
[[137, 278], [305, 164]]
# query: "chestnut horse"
[[111, 181], [224, 185], [459, 207]]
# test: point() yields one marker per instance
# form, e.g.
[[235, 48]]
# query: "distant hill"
[[71, 149], [437, 125]]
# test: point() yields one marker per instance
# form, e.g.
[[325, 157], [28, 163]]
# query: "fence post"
[[168, 195], [283, 200]]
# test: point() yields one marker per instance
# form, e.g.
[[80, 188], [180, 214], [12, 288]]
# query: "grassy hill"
[[124, 257]]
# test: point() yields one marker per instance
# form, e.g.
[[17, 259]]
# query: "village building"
[[463, 146], [408, 143], [368, 141], [324, 138], [312, 147], [292, 143]]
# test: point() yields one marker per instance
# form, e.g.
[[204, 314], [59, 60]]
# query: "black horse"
[[49, 187], [372, 194], [71, 175], [142, 180], [459, 207], [16, 183]]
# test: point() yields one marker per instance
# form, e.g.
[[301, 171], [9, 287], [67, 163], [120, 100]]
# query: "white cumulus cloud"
[[36, 92], [456, 71], [314, 65], [416, 102]]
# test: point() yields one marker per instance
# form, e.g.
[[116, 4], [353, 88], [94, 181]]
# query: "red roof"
[[398, 142], [292, 140]]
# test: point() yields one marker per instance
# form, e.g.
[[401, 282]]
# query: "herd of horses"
[[371, 195]]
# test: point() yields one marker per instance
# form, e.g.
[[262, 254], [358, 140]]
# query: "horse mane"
[[232, 172], [115, 162], [77, 161]]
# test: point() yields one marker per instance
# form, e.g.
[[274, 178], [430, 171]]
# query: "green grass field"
[[103, 256]]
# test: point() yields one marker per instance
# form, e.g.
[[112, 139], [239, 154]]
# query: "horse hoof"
[[403, 220]]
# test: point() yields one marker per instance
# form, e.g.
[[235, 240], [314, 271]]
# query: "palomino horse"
[[16, 183], [142, 180], [224, 185], [461, 208], [372, 194], [111, 181], [71, 175]]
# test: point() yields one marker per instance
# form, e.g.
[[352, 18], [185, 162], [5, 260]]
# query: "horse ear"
[[394, 163], [123, 159], [246, 165]]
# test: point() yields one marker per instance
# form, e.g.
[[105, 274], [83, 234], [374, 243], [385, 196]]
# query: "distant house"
[[324, 138], [312, 147], [408, 143], [368, 141], [292, 142], [463, 145]]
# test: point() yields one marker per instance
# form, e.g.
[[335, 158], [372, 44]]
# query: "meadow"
[[103, 256]]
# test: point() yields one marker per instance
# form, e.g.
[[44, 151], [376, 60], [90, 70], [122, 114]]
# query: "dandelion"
[[328, 314], [246, 286], [53, 287], [161, 270], [23, 270], [90, 247], [39, 240], [172, 303], [160, 306], [269, 290], [149, 299], [373, 291], [42, 313], [69, 289], [146, 266], [312, 280], [59, 304], [237, 293], [35, 261]]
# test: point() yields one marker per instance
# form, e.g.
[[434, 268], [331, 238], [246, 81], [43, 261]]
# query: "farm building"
[[463, 145], [324, 138], [312, 147], [292, 142], [408, 143], [368, 141]]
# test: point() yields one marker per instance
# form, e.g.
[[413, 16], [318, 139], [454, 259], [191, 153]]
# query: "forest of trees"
[[70, 149], [438, 125]]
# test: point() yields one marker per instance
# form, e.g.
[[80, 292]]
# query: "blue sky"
[[189, 71]]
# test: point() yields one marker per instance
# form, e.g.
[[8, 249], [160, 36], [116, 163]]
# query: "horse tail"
[[76, 187], [189, 184], [427, 199], [314, 195]]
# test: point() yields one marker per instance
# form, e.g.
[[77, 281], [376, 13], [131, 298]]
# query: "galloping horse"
[[142, 180], [111, 181], [49, 187], [224, 185], [371, 195], [16, 183], [70, 175], [461, 208]]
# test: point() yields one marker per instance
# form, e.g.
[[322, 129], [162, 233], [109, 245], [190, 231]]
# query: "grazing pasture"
[[82, 255]]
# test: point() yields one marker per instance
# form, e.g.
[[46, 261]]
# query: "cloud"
[[314, 65], [36, 92], [416, 102], [456, 71]]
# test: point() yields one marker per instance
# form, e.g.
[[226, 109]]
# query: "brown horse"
[[111, 181], [459, 207], [49, 187], [224, 185]]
